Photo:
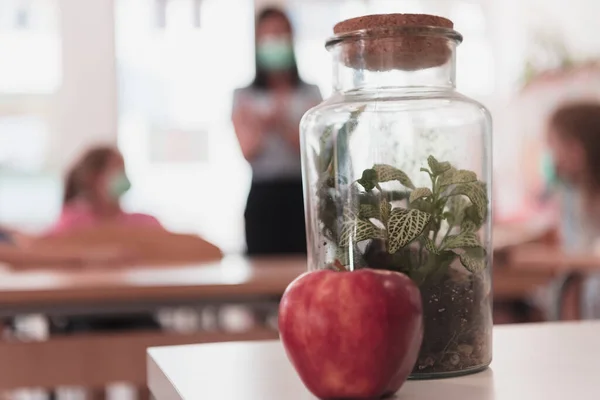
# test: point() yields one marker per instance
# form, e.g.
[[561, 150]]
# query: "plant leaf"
[[442, 263], [379, 211], [368, 179], [328, 204], [455, 177], [357, 230], [477, 194], [430, 246], [387, 173], [472, 265], [462, 240], [468, 226], [476, 252], [457, 206], [342, 142], [404, 226], [422, 205], [385, 210], [437, 167], [324, 159], [449, 217], [474, 260], [419, 193], [369, 211], [472, 214], [350, 125], [446, 176]]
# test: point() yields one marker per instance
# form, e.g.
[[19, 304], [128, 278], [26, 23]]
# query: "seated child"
[[93, 190]]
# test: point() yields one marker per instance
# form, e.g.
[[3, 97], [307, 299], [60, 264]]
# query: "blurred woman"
[[573, 174], [573, 170], [266, 117], [93, 191]]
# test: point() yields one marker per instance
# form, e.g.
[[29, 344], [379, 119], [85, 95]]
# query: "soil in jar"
[[457, 319], [456, 312]]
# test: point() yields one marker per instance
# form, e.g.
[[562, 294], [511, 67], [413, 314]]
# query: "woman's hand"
[[250, 128], [283, 122]]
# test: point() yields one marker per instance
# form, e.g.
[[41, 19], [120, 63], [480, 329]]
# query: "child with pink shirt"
[[93, 190]]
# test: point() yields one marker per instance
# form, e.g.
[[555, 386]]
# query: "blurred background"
[[156, 78]]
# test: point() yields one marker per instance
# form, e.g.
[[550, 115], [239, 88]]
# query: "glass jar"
[[397, 176]]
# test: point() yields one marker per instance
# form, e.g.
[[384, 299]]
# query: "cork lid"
[[395, 41]]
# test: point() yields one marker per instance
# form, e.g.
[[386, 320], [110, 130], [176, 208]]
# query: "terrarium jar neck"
[[351, 71]]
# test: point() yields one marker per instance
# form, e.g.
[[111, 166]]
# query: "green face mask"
[[275, 54], [118, 185], [547, 169]]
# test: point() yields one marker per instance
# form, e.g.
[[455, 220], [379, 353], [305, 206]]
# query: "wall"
[[85, 108], [86, 104], [258, 4]]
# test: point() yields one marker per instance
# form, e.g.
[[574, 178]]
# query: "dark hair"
[[93, 162], [260, 79], [580, 122]]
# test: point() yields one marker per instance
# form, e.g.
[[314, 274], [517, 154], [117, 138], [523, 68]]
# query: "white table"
[[552, 361]]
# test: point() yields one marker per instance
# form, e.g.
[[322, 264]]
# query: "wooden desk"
[[93, 360], [570, 268], [112, 291], [234, 279], [552, 361], [141, 289], [542, 257], [512, 279], [507, 235], [34, 364]]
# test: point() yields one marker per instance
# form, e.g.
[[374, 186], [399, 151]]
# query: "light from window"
[[175, 91], [30, 50]]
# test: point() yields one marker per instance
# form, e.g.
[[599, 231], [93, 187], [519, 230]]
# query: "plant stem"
[[381, 193], [434, 199], [447, 233], [435, 233]]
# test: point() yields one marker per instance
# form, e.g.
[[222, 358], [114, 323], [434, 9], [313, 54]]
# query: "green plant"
[[547, 53], [418, 230]]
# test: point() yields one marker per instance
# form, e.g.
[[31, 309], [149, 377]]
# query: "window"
[[179, 62], [29, 47], [30, 71], [30, 75]]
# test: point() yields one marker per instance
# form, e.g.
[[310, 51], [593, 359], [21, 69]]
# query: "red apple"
[[352, 335]]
